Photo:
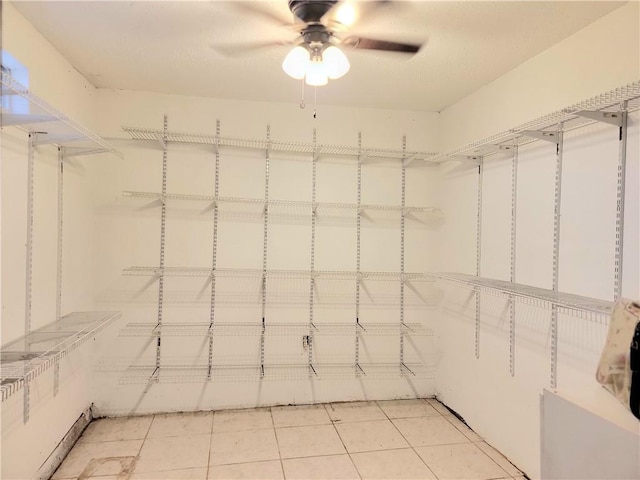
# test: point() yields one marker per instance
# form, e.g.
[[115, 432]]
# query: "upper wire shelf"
[[575, 305], [282, 274], [25, 358], [570, 117], [27, 111], [317, 150]]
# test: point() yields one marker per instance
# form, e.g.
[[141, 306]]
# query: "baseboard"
[[51, 464]]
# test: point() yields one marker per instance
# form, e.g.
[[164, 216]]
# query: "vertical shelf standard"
[[310, 337], [357, 368], [512, 274], [265, 245], [403, 366], [163, 225], [478, 252], [214, 263]]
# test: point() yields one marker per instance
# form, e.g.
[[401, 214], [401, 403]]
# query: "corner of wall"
[[70, 93], [601, 57]]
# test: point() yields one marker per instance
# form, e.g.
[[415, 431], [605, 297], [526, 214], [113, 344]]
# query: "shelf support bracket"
[[404, 368], [58, 139], [408, 160], [81, 152], [545, 135], [610, 118]]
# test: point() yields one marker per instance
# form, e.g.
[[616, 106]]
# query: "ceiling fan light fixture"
[[316, 74], [336, 62], [297, 62], [316, 63]]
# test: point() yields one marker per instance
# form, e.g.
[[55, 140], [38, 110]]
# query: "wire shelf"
[[317, 150], [568, 116], [584, 307], [24, 359], [204, 272], [142, 329], [146, 374], [323, 207], [27, 111]]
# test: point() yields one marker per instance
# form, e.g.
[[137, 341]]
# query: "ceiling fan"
[[322, 26]]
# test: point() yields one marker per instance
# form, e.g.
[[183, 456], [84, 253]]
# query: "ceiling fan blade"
[[239, 49], [257, 9], [346, 13], [384, 45]]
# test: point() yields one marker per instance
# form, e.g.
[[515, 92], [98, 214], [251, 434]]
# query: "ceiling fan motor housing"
[[311, 11]]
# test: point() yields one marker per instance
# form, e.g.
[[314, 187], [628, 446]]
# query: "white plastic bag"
[[619, 367]]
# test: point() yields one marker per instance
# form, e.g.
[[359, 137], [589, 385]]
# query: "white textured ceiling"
[[169, 47]]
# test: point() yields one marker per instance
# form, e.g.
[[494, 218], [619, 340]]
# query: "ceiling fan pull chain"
[[315, 100], [302, 105]]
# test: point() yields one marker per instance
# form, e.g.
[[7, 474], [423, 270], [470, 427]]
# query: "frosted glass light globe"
[[296, 63], [316, 74], [336, 62]]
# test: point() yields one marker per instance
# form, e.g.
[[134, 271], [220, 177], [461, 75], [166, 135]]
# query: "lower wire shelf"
[[147, 329], [25, 358], [145, 374]]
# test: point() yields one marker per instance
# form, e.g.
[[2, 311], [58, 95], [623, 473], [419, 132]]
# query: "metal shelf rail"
[[23, 359], [282, 203], [146, 329], [143, 271], [27, 111], [583, 307], [144, 374], [318, 150]]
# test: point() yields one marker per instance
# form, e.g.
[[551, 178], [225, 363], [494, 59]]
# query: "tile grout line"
[[475, 442], [137, 457], [409, 443], [317, 456], [275, 434], [482, 440], [213, 414], [342, 441]]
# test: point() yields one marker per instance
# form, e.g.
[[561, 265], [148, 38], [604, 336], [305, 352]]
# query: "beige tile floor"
[[398, 439]]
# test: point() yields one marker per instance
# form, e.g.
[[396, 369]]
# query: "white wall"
[[128, 234], [504, 409]]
